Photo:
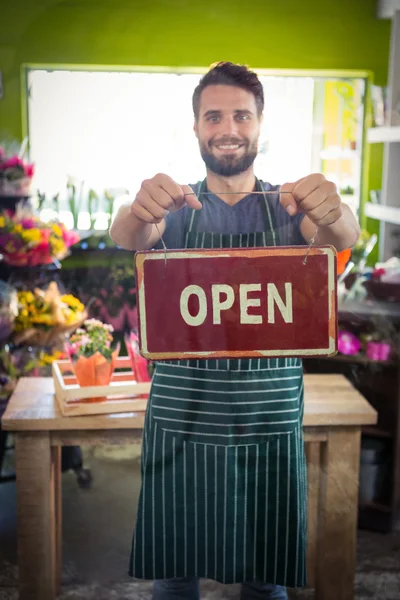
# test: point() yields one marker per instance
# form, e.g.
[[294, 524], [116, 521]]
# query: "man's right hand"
[[159, 196]]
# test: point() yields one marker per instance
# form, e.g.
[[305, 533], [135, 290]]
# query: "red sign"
[[261, 302]]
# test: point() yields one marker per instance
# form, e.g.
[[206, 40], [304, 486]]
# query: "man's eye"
[[213, 119], [243, 117]]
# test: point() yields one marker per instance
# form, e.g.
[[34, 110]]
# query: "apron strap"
[[192, 216]]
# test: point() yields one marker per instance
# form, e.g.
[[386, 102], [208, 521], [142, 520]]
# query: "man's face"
[[228, 128]]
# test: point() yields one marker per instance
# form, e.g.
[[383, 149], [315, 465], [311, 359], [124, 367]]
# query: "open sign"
[[261, 302]]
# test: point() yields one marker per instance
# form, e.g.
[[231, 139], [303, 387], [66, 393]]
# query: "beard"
[[229, 164]]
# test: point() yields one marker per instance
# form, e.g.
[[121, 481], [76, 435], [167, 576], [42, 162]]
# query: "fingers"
[[191, 199], [160, 195], [287, 199], [147, 208], [314, 196]]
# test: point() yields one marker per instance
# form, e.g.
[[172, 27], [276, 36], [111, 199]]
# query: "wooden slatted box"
[[123, 394]]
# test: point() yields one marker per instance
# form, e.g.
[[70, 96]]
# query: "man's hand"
[[160, 195], [327, 220], [314, 196]]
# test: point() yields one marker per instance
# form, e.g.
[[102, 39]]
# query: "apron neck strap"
[[268, 214]]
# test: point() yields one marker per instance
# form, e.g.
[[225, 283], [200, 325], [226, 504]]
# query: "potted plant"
[[92, 354]]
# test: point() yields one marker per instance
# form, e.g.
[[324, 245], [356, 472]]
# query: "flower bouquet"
[[92, 356], [25, 240], [45, 317], [15, 175], [24, 361]]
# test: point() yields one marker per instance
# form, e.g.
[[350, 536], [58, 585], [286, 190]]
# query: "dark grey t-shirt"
[[244, 217]]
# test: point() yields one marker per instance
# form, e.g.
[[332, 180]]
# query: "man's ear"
[[195, 129]]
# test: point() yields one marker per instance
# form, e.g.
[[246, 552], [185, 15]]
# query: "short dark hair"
[[227, 73]]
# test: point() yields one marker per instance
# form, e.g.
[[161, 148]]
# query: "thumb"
[[287, 200], [191, 198]]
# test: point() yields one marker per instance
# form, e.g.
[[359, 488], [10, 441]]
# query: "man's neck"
[[242, 183]]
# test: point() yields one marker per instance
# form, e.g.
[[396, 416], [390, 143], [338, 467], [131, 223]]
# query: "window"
[[112, 129]]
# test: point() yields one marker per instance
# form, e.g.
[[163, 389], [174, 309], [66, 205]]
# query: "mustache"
[[227, 141]]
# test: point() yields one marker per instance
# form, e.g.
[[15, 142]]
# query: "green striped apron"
[[223, 491]]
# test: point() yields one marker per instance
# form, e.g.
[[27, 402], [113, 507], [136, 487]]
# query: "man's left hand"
[[316, 197]]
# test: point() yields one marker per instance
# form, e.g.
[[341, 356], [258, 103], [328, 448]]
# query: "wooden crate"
[[123, 394]]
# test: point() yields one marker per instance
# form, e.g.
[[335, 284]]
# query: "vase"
[[94, 370]]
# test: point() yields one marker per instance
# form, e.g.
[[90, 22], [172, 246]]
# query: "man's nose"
[[229, 127]]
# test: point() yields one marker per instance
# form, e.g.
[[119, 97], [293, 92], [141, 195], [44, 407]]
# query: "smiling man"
[[223, 472]]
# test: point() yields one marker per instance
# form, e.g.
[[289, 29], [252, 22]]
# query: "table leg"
[[337, 530], [34, 506], [57, 515], [313, 454]]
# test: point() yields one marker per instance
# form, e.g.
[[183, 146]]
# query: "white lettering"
[[245, 302], [201, 316], [286, 308], [218, 305]]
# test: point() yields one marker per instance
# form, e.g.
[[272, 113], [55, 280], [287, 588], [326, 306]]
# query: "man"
[[223, 473]]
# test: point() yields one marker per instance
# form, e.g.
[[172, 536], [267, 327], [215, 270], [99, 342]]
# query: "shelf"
[[377, 135], [376, 432], [390, 214], [366, 310], [361, 360]]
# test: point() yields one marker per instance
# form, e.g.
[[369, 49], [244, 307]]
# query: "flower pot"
[[94, 370]]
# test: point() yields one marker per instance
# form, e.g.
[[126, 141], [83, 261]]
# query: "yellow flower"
[[57, 230], [31, 235], [27, 297], [47, 359], [18, 228], [57, 246], [43, 319], [2, 222], [72, 302]]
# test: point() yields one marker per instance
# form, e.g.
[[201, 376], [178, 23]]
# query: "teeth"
[[229, 147]]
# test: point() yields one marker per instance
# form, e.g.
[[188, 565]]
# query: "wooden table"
[[334, 414]]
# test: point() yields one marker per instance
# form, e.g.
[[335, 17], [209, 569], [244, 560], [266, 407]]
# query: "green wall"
[[290, 34], [286, 34]]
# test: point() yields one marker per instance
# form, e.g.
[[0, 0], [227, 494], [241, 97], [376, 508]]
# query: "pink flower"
[[2, 153], [29, 169], [14, 161], [348, 343], [28, 223], [70, 237]]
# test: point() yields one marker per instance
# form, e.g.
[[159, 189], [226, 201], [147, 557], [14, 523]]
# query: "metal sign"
[[234, 303]]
